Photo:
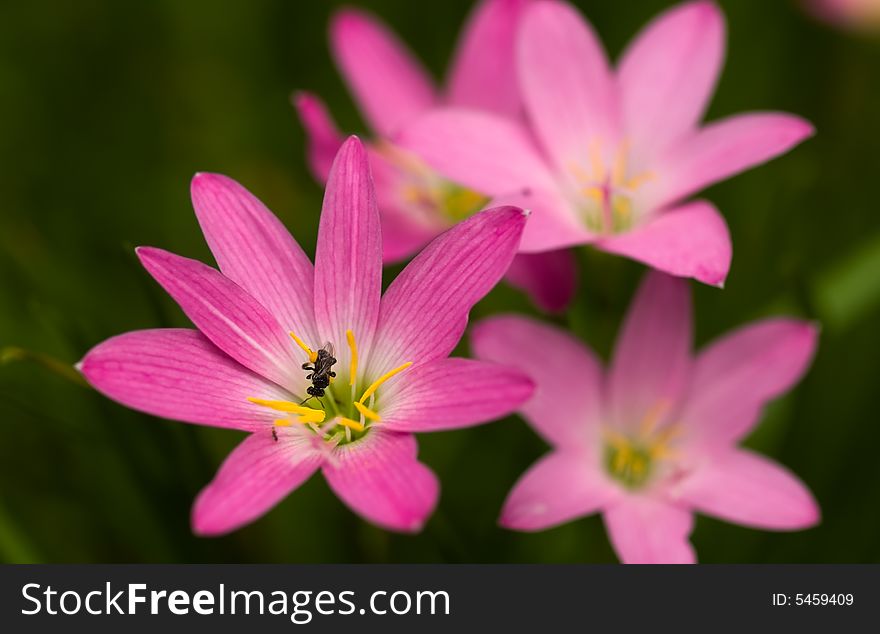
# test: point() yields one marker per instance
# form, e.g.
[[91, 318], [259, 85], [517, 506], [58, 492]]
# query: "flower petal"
[[453, 393], [389, 84], [549, 278], [179, 374], [254, 250], [479, 150], [379, 478], [227, 315], [257, 475], [560, 487], [552, 224], [568, 378], [734, 377], [567, 85], [322, 136], [348, 256], [645, 530], [424, 311], [482, 75], [668, 73], [725, 148], [652, 360], [690, 241], [742, 487]]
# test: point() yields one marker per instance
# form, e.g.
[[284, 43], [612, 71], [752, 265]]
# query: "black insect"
[[274, 434], [320, 372]]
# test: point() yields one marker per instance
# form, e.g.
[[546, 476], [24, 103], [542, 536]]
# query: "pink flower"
[[654, 439], [610, 155], [392, 88], [242, 370]]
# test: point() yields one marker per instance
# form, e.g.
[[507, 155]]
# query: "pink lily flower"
[[609, 156], [653, 439], [392, 88], [269, 323]]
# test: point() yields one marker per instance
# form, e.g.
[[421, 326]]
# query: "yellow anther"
[[352, 424], [313, 356], [638, 180], [382, 379], [282, 422], [597, 194], [354, 357], [367, 412], [314, 415]]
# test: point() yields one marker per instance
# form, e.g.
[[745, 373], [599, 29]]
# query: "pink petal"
[[179, 374], [485, 152], [567, 401], [644, 530], [725, 148], [348, 256], [549, 278], [424, 311], [552, 224], [567, 85], [668, 74], [742, 487], [402, 237], [227, 315], [482, 75], [254, 250], [734, 377], [690, 241], [453, 393], [560, 487], [379, 478], [389, 84], [257, 475], [323, 138], [652, 360]]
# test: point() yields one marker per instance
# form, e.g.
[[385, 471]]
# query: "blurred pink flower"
[[859, 15], [610, 155], [391, 89], [653, 439], [241, 370]]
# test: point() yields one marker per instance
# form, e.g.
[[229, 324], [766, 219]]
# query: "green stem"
[[10, 354]]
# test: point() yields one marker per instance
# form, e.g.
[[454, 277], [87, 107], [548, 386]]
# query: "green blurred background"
[[108, 108]]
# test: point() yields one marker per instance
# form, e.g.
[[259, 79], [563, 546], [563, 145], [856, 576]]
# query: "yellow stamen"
[[653, 416], [382, 379], [367, 412], [293, 408], [622, 209], [618, 173], [282, 422], [666, 434], [597, 194], [313, 356], [596, 161], [621, 459], [354, 357], [638, 180], [353, 424]]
